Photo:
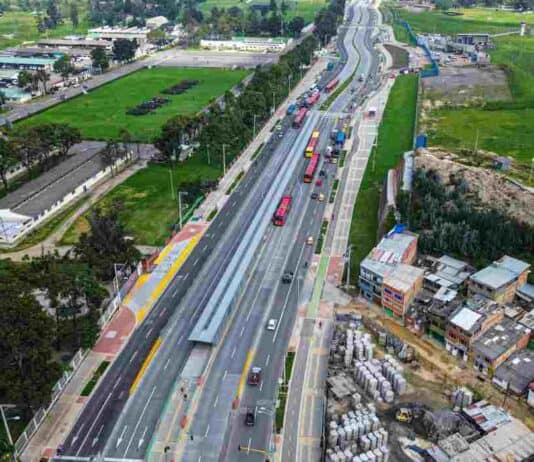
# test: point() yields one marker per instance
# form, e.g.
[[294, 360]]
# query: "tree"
[[74, 15], [24, 79], [26, 335], [325, 24], [110, 154], [443, 4], [157, 36], [41, 76], [99, 59], [105, 244], [53, 15], [64, 66], [65, 137], [295, 26], [7, 160], [124, 49]]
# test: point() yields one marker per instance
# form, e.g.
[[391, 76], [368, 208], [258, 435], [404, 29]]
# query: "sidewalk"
[[217, 198], [134, 309]]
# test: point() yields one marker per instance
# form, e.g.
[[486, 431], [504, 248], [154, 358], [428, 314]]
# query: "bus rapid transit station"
[[279, 217]]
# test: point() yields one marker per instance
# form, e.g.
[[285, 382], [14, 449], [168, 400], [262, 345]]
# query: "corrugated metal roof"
[[465, 318]]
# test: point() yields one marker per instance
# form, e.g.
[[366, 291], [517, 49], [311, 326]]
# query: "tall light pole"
[[349, 250], [274, 102], [6, 427], [224, 158], [288, 84], [180, 205], [254, 126]]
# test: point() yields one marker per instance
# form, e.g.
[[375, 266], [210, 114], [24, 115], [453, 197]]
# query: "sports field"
[[101, 114], [304, 8], [18, 26]]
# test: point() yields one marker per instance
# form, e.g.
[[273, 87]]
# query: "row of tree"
[[449, 220], [50, 306]]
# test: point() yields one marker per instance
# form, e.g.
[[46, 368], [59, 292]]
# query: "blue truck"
[[329, 66], [291, 109], [340, 138]]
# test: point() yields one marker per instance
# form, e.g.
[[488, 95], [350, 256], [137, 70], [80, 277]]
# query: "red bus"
[[311, 168], [299, 118], [312, 144], [330, 86], [311, 100], [279, 217]]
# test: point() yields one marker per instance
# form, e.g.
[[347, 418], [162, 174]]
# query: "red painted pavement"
[[335, 270], [190, 230], [116, 333]]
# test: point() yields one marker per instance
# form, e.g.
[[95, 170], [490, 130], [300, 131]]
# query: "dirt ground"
[[463, 84], [399, 55], [439, 373], [489, 186]]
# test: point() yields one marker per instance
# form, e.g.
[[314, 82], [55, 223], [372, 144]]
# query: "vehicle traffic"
[[254, 377], [299, 118], [311, 168], [331, 85], [280, 216], [312, 144]]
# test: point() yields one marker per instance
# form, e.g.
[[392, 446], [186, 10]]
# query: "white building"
[[156, 22], [254, 44]]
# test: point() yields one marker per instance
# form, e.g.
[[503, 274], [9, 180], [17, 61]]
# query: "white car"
[[271, 325]]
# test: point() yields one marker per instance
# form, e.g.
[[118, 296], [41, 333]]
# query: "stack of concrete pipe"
[[381, 379], [357, 436]]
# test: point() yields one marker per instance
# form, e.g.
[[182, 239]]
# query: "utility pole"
[[6, 427], [171, 179], [254, 126], [476, 143], [349, 250]]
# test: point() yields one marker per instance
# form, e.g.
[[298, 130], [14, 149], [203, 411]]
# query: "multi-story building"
[[516, 373], [497, 344], [468, 322], [500, 280], [399, 288], [447, 272], [398, 246]]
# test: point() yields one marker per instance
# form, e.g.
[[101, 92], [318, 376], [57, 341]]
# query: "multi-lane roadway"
[[119, 420]]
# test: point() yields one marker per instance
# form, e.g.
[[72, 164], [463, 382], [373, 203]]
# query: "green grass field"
[[102, 113], [395, 136], [304, 8], [472, 20], [17, 27], [149, 209], [505, 129]]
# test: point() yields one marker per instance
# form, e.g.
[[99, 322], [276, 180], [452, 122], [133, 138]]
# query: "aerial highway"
[[238, 264]]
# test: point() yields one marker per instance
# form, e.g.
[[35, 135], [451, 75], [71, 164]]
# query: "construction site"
[[379, 408]]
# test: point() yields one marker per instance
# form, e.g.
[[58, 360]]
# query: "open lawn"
[[395, 136], [18, 26], [471, 20], [149, 210], [304, 8], [504, 127], [102, 113]]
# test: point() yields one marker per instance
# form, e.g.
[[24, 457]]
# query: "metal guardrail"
[[425, 72]]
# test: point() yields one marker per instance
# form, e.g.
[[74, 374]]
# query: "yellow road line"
[[146, 362], [140, 315], [244, 373]]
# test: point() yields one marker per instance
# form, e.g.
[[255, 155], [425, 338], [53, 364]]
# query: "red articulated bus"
[[299, 118], [280, 216], [313, 99], [311, 168], [312, 144], [331, 85]]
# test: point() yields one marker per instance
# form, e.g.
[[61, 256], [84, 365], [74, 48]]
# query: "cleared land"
[[102, 113], [502, 125], [17, 27], [149, 211], [394, 138], [303, 8]]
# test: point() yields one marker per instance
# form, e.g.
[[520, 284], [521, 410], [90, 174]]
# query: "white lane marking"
[[77, 434], [242, 329], [207, 431], [225, 372], [186, 276], [149, 332], [233, 353], [174, 293], [261, 386], [142, 439], [139, 421], [195, 262], [267, 360], [167, 364], [249, 442], [95, 439], [205, 247], [133, 356], [216, 401], [249, 313], [117, 382], [119, 441], [94, 423]]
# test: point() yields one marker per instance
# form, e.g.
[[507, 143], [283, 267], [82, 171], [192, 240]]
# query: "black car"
[[322, 173], [314, 195], [287, 277], [250, 417]]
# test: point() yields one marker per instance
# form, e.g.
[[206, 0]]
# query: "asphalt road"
[[98, 418], [265, 298]]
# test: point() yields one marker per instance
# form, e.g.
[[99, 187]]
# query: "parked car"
[[271, 325]]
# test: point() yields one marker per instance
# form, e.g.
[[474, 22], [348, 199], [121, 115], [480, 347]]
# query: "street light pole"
[[349, 250], [274, 102], [6, 427], [254, 127], [224, 159], [180, 206]]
